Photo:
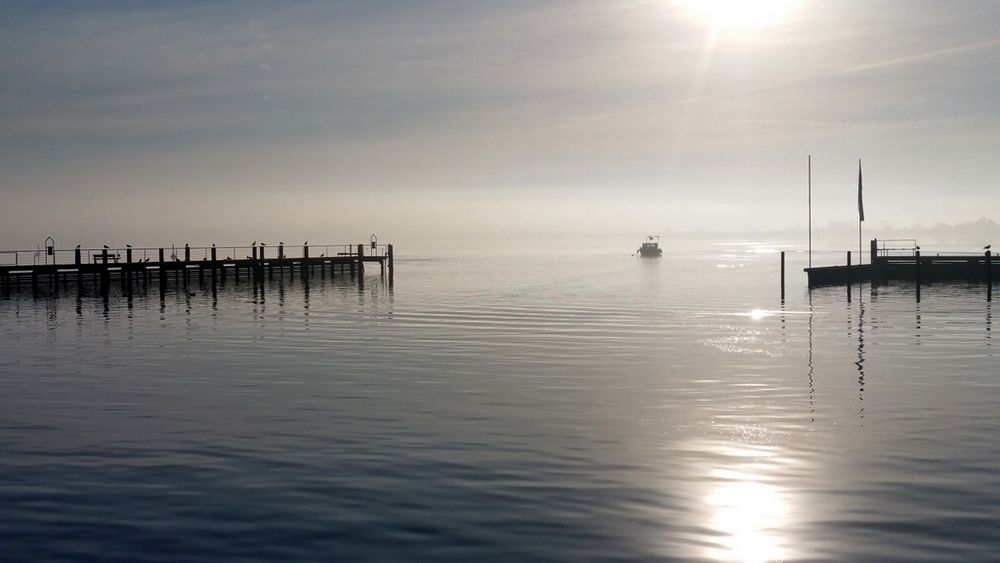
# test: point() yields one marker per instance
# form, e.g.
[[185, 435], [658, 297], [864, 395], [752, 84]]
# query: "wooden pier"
[[50, 268], [895, 263]]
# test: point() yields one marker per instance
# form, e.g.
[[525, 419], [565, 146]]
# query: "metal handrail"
[[884, 250], [67, 257]]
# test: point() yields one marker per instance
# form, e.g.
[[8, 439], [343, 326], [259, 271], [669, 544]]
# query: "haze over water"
[[546, 403]]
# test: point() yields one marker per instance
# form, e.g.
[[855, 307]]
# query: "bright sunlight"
[[739, 15]]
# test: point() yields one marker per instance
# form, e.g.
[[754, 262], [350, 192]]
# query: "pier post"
[[214, 265], [163, 271], [105, 275], [281, 251], [916, 264], [253, 265], [873, 260], [127, 272], [848, 276], [782, 276], [989, 276], [361, 260], [392, 267], [305, 260], [77, 256], [187, 260]]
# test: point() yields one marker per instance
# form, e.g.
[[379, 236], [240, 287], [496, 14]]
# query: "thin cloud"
[[922, 57]]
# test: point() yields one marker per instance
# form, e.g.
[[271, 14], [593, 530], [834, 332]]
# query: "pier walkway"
[[49, 267], [894, 263]]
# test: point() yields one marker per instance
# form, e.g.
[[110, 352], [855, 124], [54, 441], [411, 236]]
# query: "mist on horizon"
[[516, 121]]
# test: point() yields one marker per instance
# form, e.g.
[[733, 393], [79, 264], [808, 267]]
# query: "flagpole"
[[810, 211], [861, 214]]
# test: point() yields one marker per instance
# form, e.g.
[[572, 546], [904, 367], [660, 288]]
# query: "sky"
[[158, 122]]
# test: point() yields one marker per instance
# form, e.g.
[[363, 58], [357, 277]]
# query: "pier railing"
[[182, 253], [897, 247]]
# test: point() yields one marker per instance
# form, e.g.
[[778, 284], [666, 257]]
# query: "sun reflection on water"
[[748, 511]]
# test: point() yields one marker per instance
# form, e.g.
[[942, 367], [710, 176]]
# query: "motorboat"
[[651, 248]]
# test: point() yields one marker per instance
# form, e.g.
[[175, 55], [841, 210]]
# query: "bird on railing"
[[306, 243], [987, 247], [106, 246], [254, 243]]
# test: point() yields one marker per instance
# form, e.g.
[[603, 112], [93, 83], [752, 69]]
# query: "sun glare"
[[742, 15]]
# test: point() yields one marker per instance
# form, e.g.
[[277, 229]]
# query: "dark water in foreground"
[[579, 406]]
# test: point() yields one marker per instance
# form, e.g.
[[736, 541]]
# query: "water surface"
[[572, 405]]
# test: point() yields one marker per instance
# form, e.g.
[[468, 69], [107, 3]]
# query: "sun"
[[738, 15]]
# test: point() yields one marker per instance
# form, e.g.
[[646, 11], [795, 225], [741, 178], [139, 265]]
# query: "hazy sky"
[[153, 122]]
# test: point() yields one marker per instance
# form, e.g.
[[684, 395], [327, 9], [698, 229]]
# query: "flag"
[[861, 202]]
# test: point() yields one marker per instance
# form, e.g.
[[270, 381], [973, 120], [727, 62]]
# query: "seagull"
[[306, 243], [106, 246], [128, 245], [254, 243], [987, 247], [281, 242], [78, 246]]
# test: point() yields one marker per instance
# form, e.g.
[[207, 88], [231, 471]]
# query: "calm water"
[[572, 405]]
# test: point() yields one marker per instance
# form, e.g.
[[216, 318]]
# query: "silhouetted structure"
[[908, 264], [100, 265]]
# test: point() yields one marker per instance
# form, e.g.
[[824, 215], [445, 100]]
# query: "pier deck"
[[889, 264], [128, 266]]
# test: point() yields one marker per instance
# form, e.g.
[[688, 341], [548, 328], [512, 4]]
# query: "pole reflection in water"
[[809, 363], [861, 360]]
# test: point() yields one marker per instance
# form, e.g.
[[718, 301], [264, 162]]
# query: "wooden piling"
[[848, 276], [105, 274], [305, 260], [916, 264], [127, 272], [782, 275], [392, 265], [361, 260], [187, 260], [163, 269], [873, 261], [989, 276]]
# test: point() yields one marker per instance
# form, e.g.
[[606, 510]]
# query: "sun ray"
[[738, 15]]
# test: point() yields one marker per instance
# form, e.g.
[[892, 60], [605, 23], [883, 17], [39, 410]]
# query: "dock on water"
[[46, 269], [902, 260]]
